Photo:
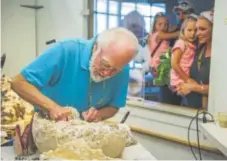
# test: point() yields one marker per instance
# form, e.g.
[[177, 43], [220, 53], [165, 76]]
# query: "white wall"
[[60, 19], [18, 35], [218, 76]]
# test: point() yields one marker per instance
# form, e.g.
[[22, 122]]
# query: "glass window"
[[101, 22], [113, 21], [131, 64], [138, 65], [113, 7], [151, 26], [101, 5], [127, 8], [148, 24], [144, 9], [111, 17], [156, 9]]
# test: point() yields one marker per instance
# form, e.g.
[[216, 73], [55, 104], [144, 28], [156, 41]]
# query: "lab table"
[[135, 152], [216, 135]]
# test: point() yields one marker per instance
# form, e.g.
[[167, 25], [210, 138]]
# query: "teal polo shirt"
[[62, 73]]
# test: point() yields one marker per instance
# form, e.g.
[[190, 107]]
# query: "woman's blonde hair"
[[184, 25]]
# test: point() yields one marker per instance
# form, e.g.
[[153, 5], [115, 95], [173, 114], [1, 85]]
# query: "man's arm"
[[107, 112], [37, 76], [31, 94]]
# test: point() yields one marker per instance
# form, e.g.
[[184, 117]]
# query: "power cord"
[[197, 131], [205, 120]]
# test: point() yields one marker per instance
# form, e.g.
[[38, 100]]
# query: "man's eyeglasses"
[[106, 67]]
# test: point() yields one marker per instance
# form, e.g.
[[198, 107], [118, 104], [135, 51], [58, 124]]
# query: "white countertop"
[[135, 152], [162, 107], [216, 135]]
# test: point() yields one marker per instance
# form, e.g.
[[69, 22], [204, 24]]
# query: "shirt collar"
[[86, 52], [192, 46]]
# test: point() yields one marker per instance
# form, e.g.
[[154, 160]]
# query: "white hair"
[[106, 37]]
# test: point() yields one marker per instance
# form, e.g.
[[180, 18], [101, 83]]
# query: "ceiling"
[[145, 1]]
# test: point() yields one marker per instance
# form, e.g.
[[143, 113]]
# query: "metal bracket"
[[85, 12], [32, 6]]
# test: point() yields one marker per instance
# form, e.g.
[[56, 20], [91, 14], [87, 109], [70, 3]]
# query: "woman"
[[196, 94]]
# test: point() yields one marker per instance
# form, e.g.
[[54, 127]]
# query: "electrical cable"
[[197, 130], [189, 128]]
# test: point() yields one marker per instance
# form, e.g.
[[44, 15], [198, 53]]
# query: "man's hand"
[[59, 113], [92, 115]]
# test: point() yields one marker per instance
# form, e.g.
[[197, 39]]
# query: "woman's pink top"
[[185, 62], [163, 48]]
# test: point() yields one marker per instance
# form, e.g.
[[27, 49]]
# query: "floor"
[[168, 150]]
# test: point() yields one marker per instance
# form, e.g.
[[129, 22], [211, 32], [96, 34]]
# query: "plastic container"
[[222, 119]]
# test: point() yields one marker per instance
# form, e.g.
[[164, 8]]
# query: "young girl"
[[158, 43], [155, 44], [183, 54]]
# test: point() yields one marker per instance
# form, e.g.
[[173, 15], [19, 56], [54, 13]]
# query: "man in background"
[[182, 10]]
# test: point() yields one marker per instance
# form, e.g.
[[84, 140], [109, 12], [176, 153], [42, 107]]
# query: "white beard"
[[95, 78]]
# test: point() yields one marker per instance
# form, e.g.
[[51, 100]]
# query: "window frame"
[[93, 18]]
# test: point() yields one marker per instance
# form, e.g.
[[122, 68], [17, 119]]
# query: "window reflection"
[[113, 7], [101, 25], [156, 9], [144, 9], [112, 17], [102, 6], [113, 21], [127, 8], [148, 23]]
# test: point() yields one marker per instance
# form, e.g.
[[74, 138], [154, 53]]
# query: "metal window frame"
[[92, 20]]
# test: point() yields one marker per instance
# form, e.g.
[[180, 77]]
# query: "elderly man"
[[89, 75]]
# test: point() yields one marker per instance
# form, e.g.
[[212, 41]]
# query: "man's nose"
[[106, 73]]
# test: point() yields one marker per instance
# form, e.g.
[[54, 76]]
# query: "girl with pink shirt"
[[158, 43], [183, 54], [158, 40]]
